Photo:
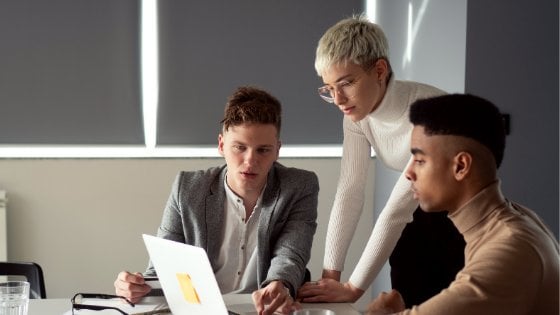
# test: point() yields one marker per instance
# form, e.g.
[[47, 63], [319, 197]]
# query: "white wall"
[[436, 39], [81, 219], [427, 40]]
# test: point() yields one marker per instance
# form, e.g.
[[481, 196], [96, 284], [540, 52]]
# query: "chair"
[[32, 273]]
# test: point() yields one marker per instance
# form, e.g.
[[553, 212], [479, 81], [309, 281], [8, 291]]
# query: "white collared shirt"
[[237, 263]]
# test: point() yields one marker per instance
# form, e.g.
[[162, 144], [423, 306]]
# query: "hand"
[[329, 291], [275, 297], [131, 286], [386, 303]]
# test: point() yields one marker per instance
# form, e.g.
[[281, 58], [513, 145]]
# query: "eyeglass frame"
[[340, 86], [337, 89], [79, 306]]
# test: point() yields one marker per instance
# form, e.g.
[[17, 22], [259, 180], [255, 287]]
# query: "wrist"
[[331, 274], [354, 292], [287, 286]]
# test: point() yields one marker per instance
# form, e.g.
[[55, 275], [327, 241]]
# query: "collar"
[[238, 200], [478, 208], [392, 106]]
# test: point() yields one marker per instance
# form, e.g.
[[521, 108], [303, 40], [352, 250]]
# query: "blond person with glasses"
[[352, 60]]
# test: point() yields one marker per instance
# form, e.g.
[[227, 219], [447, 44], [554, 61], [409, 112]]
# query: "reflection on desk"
[[236, 302], [241, 303]]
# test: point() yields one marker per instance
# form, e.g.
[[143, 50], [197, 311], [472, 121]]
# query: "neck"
[[471, 189], [382, 90]]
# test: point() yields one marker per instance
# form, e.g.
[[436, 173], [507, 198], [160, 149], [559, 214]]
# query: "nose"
[[409, 174], [339, 97], [250, 157]]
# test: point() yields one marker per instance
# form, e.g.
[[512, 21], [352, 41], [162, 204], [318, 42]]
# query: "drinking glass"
[[14, 297]]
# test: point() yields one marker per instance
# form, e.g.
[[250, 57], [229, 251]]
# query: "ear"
[[278, 150], [221, 144], [462, 164], [381, 68]]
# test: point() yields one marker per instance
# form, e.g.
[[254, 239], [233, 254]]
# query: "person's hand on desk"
[[329, 291], [131, 285], [273, 299], [386, 303]]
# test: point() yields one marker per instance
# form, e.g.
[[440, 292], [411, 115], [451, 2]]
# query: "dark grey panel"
[[208, 48], [70, 72], [512, 59]]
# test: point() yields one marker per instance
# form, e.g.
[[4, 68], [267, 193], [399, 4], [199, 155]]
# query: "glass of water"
[[14, 297]]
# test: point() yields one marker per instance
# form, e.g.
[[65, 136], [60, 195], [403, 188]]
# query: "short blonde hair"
[[355, 40]]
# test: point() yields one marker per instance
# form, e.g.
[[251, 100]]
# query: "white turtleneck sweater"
[[387, 130]]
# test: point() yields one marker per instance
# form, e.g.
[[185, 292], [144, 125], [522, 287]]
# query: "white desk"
[[237, 302], [48, 306]]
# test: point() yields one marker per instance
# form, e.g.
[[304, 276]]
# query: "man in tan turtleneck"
[[511, 258]]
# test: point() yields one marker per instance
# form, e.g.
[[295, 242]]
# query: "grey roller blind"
[[208, 48], [70, 72]]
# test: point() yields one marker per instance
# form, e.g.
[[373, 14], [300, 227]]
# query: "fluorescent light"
[[371, 10], [409, 36], [412, 29], [150, 71], [74, 151]]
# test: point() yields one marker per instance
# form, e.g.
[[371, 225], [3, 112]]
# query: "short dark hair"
[[252, 105], [463, 115]]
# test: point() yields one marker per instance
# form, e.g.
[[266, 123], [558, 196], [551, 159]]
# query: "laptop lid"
[[186, 277]]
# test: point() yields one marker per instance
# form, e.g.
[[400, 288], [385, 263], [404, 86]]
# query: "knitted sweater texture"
[[387, 130], [511, 262]]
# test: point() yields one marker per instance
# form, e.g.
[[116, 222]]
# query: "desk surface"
[[240, 301]]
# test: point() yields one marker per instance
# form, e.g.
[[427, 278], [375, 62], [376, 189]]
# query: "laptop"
[[187, 280]]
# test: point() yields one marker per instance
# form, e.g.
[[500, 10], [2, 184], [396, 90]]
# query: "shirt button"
[[239, 273], [242, 247]]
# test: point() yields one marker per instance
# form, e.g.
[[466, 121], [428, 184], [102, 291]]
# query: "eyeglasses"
[[346, 88], [77, 302]]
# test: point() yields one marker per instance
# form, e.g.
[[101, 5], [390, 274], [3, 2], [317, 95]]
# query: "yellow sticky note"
[[189, 292]]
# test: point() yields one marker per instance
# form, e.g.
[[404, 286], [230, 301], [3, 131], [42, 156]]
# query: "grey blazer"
[[195, 212]]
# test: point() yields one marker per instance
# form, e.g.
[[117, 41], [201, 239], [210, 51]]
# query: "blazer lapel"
[[270, 198]]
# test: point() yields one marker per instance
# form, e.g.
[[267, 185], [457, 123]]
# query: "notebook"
[[187, 279]]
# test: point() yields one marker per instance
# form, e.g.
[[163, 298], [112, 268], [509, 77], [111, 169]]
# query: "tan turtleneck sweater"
[[511, 262]]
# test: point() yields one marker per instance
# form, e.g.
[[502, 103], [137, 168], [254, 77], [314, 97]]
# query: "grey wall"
[[67, 68], [436, 39], [208, 48], [512, 60]]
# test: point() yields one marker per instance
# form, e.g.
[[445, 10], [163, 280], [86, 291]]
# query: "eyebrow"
[[258, 145], [416, 151], [342, 78]]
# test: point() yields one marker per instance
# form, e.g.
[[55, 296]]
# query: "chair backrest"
[[32, 273]]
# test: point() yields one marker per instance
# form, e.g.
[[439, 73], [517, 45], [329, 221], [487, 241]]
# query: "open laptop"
[[187, 279]]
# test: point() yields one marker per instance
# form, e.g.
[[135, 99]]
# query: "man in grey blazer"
[[254, 217]]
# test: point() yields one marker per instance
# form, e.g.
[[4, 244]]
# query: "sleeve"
[[292, 248], [398, 211], [503, 279], [349, 199], [170, 227]]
